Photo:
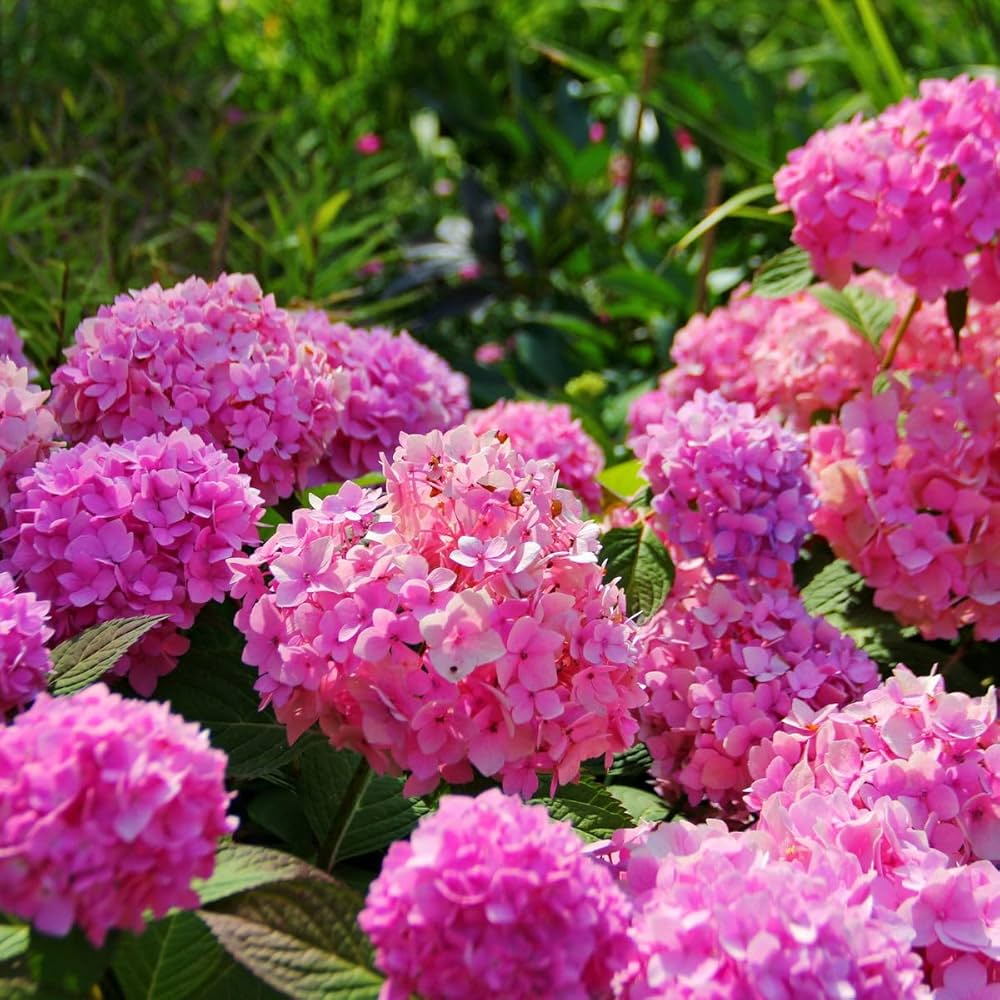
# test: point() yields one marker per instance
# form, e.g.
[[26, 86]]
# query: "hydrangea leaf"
[[623, 479], [301, 938], [638, 558], [239, 867], [636, 760], [86, 657], [640, 803], [13, 940], [384, 815], [864, 311], [787, 273], [592, 810]]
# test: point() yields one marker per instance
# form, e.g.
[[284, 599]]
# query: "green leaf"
[[956, 303], [239, 867], [13, 940], [212, 687], [385, 815], [642, 805], [331, 489], [717, 215], [866, 312], [623, 479], [66, 966], [301, 938], [783, 275], [327, 213], [632, 762], [18, 989], [86, 657], [592, 810], [324, 775], [638, 558]]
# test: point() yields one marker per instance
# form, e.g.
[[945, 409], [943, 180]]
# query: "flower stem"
[[349, 804], [890, 355]]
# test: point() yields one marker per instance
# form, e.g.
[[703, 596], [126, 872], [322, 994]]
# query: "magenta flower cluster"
[[910, 495], [548, 431], [728, 487], [143, 527], [12, 346], [723, 663], [219, 359], [393, 385], [108, 809], [464, 623], [489, 895], [27, 431], [913, 192], [721, 915], [907, 741], [24, 660]]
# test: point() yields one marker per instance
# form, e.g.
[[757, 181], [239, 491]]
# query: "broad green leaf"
[[239, 867], [301, 938], [623, 479], [384, 815], [638, 558], [866, 312], [13, 940], [592, 810], [86, 657], [324, 775], [787, 273], [631, 762], [642, 805], [67, 965]]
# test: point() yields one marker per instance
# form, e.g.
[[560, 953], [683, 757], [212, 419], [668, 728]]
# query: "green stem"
[[349, 805], [890, 355]]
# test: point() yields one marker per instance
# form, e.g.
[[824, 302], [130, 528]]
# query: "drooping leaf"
[[301, 938], [787, 273], [866, 312], [86, 657], [592, 810], [638, 558]]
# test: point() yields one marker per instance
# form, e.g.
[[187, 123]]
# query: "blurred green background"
[[541, 162]]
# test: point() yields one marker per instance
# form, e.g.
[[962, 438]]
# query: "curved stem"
[[890, 355], [349, 804]]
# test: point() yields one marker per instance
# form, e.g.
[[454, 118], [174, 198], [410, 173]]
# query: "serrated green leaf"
[[864, 311], [636, 760], [384, 815], [324, 775], [623, 479], [787, 273], [640, 803], [592, 810], [86, 657], [13, 940], [300, 938], [239, 867], [638, 558]]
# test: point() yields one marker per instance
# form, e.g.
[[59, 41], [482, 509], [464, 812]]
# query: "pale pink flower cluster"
[[462, 623], [909, 491], [548, 431], [913, 192], [108, 809], [219, 359], [722, 915], [27, 431], [729, 487], [490, 895], [908, 741], [12, 346], [24, 661], [394, 385], [144, 527], [723, 664]]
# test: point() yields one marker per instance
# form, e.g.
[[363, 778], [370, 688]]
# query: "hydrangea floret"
[[462, 621], [109, 808], [24, 659], [144, 527]]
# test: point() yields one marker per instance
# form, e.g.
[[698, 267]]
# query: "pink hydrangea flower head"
[[909, 491], [729, 487], [27, 431], [108, 808], [394, 385], [219, 359], [548, 431], [724, 663], [490, 894], [913, 192], [721, 915], [459, 622], [24, 661], [144, 527], [12, 346], [910, 742]]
